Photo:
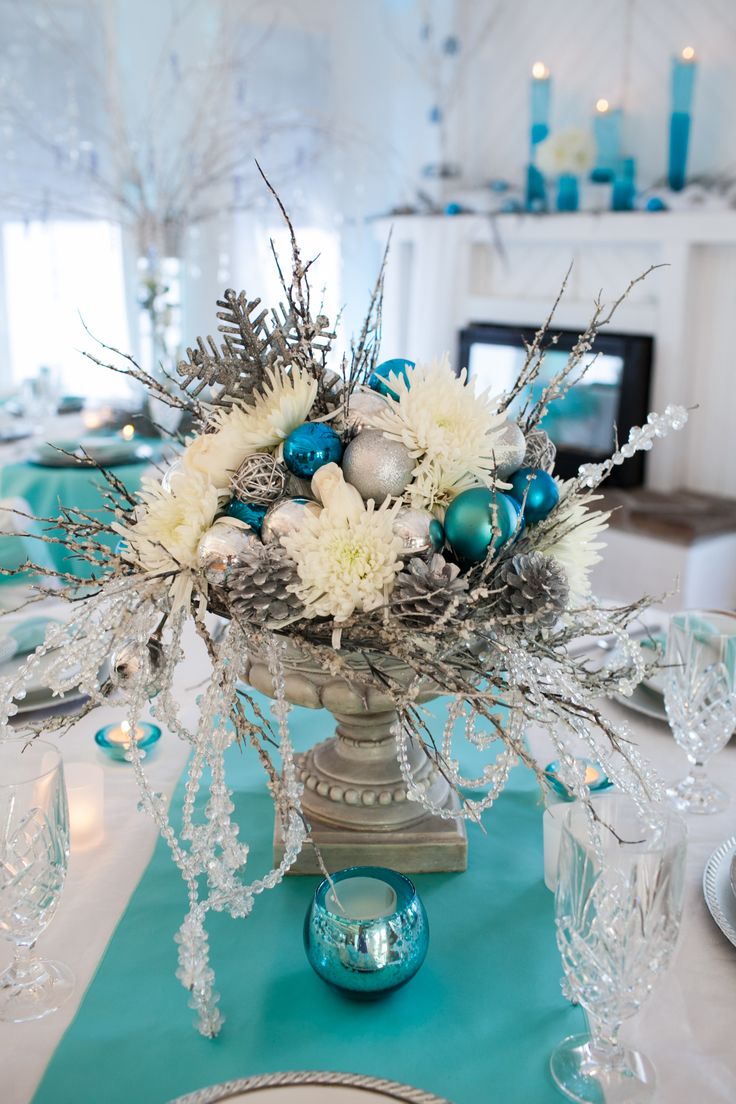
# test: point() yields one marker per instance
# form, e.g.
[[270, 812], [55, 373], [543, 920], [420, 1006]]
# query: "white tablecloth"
[[686, 1027]]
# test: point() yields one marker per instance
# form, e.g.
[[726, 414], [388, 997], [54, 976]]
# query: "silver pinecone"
[[535, 586], [259, 588], [425, 588], [540, 451]]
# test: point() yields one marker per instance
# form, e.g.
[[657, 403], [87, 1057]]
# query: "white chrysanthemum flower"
[[448, 428], [567, 151], [283, 404], [169, 524], [572, 541], [347, 556]]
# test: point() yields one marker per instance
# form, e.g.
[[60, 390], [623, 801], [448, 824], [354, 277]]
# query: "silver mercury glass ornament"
[[221, 549], [377, 466], [419, 531], [362, 409], [127, 660], [286, 517], [509, 446]]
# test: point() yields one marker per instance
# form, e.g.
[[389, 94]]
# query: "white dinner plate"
[[647, 702], [314, 1087], [719, 895]]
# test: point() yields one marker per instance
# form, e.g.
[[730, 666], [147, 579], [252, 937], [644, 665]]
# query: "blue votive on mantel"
[[366, 931]]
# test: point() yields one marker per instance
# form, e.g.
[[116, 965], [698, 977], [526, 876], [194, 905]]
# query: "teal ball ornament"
[[252, 513], [309, 447], [542, 493], [380, 378], [475, 519]]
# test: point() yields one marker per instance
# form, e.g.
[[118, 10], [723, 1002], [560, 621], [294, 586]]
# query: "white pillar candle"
[[361, 898], [85, 787]]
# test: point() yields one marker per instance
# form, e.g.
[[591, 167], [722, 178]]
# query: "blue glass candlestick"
[[683, 82], [624, 186], [567, 192], [607, 133], [541, 92]]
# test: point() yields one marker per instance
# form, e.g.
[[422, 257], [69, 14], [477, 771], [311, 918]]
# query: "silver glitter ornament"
[[286, 517], [509, 446], [377, 466], [419, 531], [363, 408], [127, 660], [221, 549], [260, 479]]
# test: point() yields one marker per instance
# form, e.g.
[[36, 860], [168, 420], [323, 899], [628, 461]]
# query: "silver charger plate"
[[310, 1087], [719, 894]]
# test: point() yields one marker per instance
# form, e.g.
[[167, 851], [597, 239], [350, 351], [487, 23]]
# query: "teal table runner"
[[43, 488], [476, 1025]]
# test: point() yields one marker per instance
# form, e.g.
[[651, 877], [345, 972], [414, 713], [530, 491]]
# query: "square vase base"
[[430, 846]]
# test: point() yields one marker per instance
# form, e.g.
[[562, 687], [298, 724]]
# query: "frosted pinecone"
[[535, 586], [425, 588], [540, 451], [259, 588]]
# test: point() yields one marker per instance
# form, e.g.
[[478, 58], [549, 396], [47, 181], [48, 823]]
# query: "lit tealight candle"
[[117, 739], [128, 432], [85, 787], [361, 898]]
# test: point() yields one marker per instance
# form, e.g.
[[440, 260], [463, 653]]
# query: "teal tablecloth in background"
[[476, 1025], [43, 489]]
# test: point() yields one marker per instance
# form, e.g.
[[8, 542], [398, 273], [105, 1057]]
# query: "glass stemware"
[[34, 851], [618, 906], [700, 699]]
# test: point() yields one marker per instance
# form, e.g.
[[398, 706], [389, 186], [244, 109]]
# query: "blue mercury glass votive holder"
[[369, 934], [115, 741], [596, 778]]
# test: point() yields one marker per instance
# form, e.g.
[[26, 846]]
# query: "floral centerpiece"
[[369, 509]]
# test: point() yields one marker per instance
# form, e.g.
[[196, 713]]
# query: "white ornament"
[[222, 547], [286, 517]]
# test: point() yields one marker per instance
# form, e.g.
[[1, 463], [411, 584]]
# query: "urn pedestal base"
[[428, 846]]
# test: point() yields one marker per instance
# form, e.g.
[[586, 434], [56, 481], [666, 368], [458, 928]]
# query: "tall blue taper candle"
[[683, 81], [541, 89], [607, 132]]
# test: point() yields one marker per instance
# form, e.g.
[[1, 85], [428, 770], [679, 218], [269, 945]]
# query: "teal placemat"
[[476, 1025]]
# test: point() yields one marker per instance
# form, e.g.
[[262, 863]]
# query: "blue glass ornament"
[[473, 517], [309, 447], [654, 203], [378, 379], [436, 534], [453, 209], [375, 947], [451, 45], [435, 115], [542, 493], [252, 513]]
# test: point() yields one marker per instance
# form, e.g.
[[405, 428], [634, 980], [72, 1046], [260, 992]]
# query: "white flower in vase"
[[348, 555], [451, 431], [568, 152]]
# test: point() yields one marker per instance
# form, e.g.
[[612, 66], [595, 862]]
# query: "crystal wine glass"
[[700, 699], [34, 850], [618, 906]]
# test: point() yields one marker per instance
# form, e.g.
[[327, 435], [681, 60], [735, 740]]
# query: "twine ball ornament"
[[363, 408], [251, 513], [478, 517], [376, 466], [309, 447], [509, 448], [260, 479], [380, 378], [540, 451], [286, 517], [541, 491], [222, 549], [419, 531]]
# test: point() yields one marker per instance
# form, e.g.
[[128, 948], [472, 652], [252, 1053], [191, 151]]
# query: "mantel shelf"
[[686, 227]]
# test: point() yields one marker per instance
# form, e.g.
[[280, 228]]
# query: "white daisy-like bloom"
[[573, 542], [448, 429], [348, 555], [216, 456], [168, 526], [567, 151]]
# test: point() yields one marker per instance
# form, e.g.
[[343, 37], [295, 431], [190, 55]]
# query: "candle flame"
[[688, 53], [591, 775], [539, 70], [125, 727], [128, 432], [602, 106]]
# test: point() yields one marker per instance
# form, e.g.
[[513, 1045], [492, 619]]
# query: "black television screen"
[[600, 409]]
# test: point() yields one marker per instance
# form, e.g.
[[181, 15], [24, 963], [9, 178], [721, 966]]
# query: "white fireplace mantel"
[[447, 271]]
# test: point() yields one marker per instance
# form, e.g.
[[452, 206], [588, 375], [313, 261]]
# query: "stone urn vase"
[[354, 795]]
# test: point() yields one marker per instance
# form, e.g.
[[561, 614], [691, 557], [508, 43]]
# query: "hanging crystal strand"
[[641, 438], [290, 797]]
